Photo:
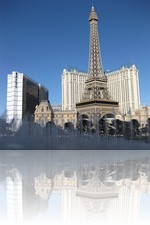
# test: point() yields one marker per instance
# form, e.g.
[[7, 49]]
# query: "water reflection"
[[74, 187]]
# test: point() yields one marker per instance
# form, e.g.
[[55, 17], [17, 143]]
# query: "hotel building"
[[123, 85], [73, 83], [23, 94]]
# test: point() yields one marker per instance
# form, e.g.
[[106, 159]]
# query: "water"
[[74, 187], [32, 136]]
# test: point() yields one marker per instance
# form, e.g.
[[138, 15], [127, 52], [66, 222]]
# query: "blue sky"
[[42, 37]]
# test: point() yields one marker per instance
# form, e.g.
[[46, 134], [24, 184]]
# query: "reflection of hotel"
[[14, 197], [106, 194], [86, 196], [43, 186], [23, 202]]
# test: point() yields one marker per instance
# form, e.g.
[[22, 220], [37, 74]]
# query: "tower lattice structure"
[[96, 101], [96, 84]]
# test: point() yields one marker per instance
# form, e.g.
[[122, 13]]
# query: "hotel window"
[[16, 78]]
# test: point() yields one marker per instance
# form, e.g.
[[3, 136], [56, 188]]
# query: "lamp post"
[[147, 128]]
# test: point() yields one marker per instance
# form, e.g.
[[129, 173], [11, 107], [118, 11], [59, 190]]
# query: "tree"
[[3, 126], [148, 125], [118, 124], [103, 126], [69, 126], [135, 127], [84, 123]]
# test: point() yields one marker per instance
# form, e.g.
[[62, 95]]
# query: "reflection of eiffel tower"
[[96, 98]]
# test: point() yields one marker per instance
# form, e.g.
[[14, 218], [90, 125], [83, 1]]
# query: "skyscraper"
[[23, 94]]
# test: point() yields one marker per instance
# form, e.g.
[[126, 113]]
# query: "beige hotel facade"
[[123, 85]]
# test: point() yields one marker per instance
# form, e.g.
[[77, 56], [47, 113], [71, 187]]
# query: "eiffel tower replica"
[[96, 100]]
